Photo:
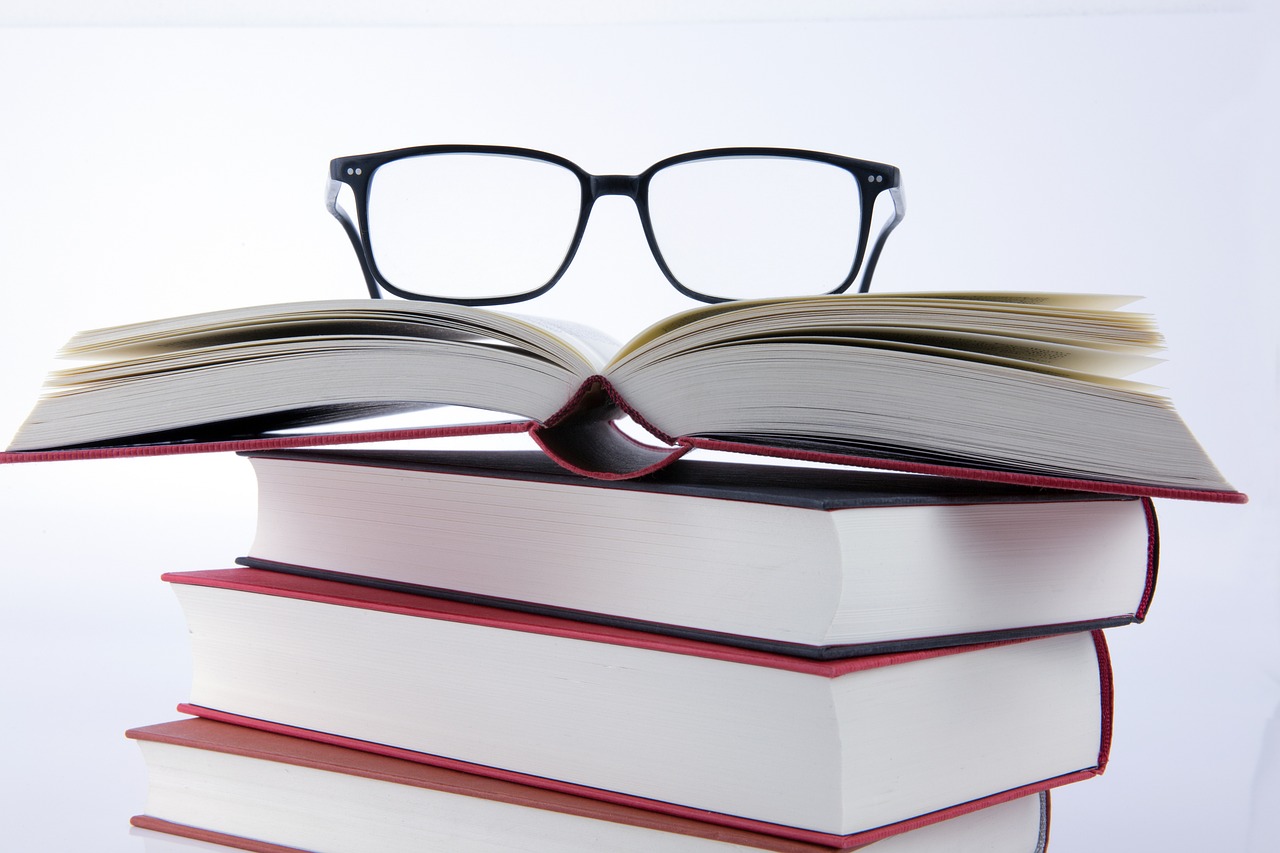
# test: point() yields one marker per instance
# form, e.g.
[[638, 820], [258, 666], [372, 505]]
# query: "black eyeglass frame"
[[357, 173]]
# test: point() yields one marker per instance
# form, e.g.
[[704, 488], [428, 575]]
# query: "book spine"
[[1153, 559], [1106, 688]]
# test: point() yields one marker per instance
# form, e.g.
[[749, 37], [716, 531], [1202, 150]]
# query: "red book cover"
[[309, 589], [206, 734]]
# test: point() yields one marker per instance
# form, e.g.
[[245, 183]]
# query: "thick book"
[[1018, 387], [826, 752], [808, 561], [269, 793]]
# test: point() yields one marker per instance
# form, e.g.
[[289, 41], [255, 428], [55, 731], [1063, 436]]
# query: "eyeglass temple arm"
[[353, 234], [899, 211]]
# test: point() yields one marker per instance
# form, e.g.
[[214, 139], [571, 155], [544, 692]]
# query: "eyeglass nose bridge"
[[628, 185]]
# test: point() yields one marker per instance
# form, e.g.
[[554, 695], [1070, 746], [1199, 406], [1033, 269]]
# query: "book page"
[[1099, 369], [575, 348], [1064, 315], [594, 345], [1050, 322]]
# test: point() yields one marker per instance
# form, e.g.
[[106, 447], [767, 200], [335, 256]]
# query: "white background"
[[154, 170]]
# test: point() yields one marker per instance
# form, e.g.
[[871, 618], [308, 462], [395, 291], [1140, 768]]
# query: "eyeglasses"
[[487, 225]]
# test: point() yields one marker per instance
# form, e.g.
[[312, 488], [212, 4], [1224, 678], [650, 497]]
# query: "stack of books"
[[752, 651], [595, 646]]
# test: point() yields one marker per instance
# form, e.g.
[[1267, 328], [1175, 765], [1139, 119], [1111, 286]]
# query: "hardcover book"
[[1019, 387], [816, 562], [826, 752], [270, 793]]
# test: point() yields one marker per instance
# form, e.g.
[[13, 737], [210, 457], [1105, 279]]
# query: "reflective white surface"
[[151, 172]]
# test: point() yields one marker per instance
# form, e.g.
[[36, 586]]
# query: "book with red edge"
[[1017, 387], [817, 562], [266, 792], [826, 752]]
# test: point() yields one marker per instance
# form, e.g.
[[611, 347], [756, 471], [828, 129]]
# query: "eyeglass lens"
[[464, 226], [743, 228]]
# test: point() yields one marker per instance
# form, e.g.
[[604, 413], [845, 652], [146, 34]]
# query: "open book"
[[1022, 387]]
